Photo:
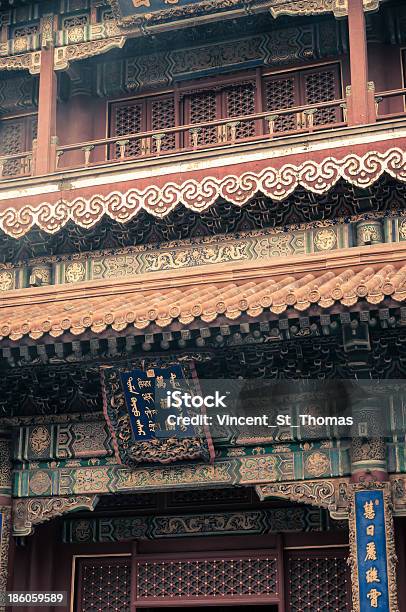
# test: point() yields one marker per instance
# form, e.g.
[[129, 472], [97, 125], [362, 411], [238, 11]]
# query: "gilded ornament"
[[325, 239], [40, 483], [42, 273], [317, 464], [76, 34], [6, 280], [402, 229], [75, 272], [40, 439], [369, 232]]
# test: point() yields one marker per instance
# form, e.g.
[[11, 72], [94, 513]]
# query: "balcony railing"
[[192, 137], [384, 96], [18, 164], [304, 119]]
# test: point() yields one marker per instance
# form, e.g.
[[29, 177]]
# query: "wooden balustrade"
[[153, 143], [191, 136], [386, 95]]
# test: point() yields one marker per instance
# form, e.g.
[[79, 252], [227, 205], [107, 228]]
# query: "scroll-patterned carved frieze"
[[313, 7], [30, 512], [278, 47], [330, 494], [199, 194], [123, 529], [24, 61], [82, 50], [129, 13]]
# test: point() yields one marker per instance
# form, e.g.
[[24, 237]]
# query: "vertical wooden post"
[[45, 159], [5, 513], [359, 96]]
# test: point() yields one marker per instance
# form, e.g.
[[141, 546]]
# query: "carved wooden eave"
[[80, 51], [193, 10], [30, 512], [331, 494], [315, 7], [25, 61], [197, 189]]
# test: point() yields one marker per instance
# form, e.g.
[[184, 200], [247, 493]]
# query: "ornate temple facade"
[[216, 185]]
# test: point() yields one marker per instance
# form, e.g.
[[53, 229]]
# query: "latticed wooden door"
[[300, 88], [103, 584], [16, 136], [201, 107], [143, 115], [317, 581], [239, 101], [322, 85]]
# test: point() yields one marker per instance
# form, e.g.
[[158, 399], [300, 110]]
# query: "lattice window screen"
[[321, 86], [206, 578], [128, 119], [104, 585], [280, 94], [318, 584], [163, 116], [240, 100], [203, 107], [16, 136]]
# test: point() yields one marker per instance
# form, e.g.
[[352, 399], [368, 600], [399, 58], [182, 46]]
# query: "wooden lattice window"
[[103, 585], [143, 115], [299, 88], [317, 582], [200, 107], [239, 100], [209, 578], [16, 136]]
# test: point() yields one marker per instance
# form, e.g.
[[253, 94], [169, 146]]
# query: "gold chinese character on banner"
[[130, 385], [371, 552], [150, 412], [372, 575], [371, 530], [134, 407], [160, 382], [138, 3], [369, 510], [143, 384], [373, 596], [174, 381], [140, 428]]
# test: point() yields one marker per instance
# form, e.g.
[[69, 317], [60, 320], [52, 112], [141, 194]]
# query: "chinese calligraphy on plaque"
[[371, 550], [145, 397]]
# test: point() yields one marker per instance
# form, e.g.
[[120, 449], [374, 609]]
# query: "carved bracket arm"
[[29, 512]]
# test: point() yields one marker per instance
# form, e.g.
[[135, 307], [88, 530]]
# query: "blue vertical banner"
[[372, 550]]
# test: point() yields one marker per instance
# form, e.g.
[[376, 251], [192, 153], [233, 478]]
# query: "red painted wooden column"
[[361, 103], [45, 153]]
